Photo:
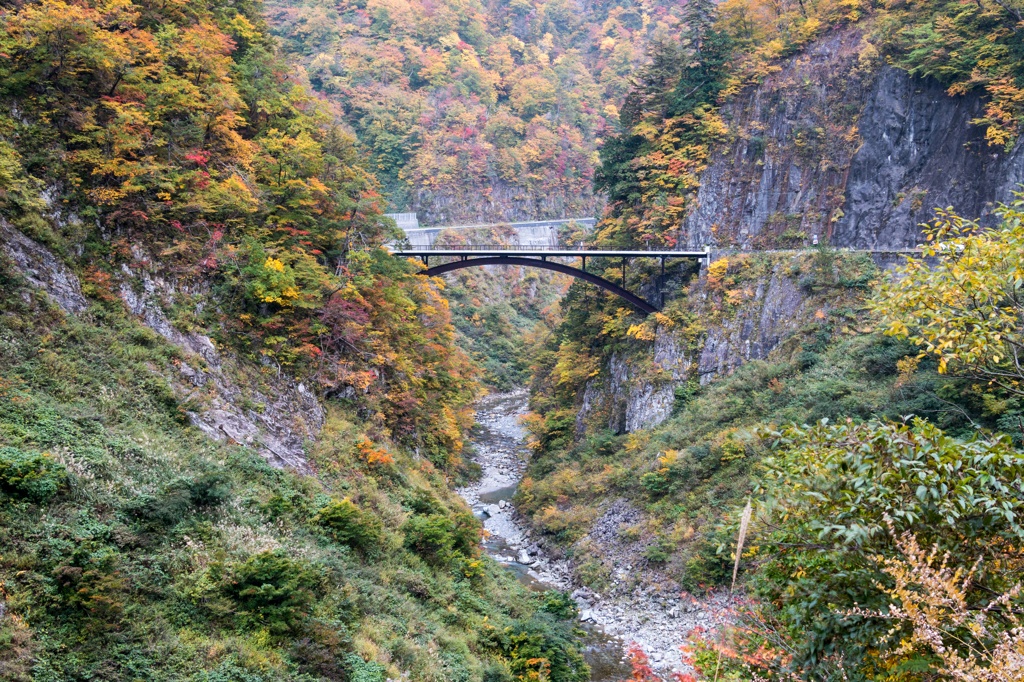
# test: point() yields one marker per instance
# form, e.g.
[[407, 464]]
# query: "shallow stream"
[[502, 454]]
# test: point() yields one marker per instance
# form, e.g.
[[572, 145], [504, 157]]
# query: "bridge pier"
[[661, 285]]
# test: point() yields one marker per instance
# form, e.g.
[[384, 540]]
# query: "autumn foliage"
[[181, 139], [478, 102]]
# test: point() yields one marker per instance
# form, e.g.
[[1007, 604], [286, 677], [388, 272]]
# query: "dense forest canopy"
[[463, 105], [229, 165], [457, 97]]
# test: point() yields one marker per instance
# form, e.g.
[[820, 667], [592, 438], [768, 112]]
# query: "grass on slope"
[[698, 465], [133, 547]]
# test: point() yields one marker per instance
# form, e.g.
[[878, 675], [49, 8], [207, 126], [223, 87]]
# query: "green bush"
[[836, 496], [364, 671], [655, 482], [271, 590], [30, 475], [706, 567], [440, 537], [180, 497], [538, 643], [661, 551], [349, 525], [560, 605], [230, 671], [807, 359]]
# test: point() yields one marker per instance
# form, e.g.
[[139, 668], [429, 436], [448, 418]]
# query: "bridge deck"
[[544, 251]]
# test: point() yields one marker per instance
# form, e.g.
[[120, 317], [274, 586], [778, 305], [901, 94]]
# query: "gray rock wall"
[[791, 141], [840, 145], [919, 151], [637, 390], [288, 413], [532, 233], [503, 203], [776, 311], [42, 269], [274, 415]]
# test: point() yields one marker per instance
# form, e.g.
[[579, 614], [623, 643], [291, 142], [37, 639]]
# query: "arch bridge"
[[537, 257]]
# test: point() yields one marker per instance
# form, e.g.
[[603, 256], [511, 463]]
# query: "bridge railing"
[[513, 247]]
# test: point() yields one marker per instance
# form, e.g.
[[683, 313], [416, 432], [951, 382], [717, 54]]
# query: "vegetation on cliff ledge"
[[165, 154], [879, 445]]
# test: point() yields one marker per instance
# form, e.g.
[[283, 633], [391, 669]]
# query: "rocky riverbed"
[[639, 606]]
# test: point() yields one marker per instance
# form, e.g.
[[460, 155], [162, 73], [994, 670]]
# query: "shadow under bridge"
[[537, 257]]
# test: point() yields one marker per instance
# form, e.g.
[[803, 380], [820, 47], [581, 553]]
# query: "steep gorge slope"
[[651, 433], [477, 112], [228, 417], [839, 144]]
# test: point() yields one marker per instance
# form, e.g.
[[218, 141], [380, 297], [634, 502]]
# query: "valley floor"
[[640, 607]]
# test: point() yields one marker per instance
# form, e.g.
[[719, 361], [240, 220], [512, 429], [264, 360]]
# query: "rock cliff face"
[[776, 311], [837, 144], [632, 397], [42, 269], [840, 145], [638, 390], [920, 151], [273, 414]]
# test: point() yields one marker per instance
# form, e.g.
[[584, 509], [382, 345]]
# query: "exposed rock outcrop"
[[42, 269], [634, 397], [774, 313], [272, 413], [498, 201], [638, 390], [840, 145], [919, 150]]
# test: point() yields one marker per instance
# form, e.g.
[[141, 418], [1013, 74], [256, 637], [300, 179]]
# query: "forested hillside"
[[841, 446], [232, 424], [191, 289], [477, 112]]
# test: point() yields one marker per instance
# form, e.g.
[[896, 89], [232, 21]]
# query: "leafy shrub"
[[837, 482], [348, 524], [30, 475], [16, 649], [96, 589], [271, 589], [560, 605], [684, 393], [568, 525], [364, 671], [655, 482], [439, 537], [208, 489], [230, 671], [837, 494], [661, 551], [806, 359], [537, 645], [181, 496], [706, 567], [423, 502]]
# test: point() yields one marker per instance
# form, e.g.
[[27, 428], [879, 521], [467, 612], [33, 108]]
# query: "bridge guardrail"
[[513, 247]]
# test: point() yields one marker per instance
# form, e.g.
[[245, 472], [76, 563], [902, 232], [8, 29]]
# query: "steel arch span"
[[640, 303]]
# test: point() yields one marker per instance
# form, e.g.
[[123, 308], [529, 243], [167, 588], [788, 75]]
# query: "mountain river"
[[609, 622]]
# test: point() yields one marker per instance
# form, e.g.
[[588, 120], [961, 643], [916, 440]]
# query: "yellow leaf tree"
[[967, 311]]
